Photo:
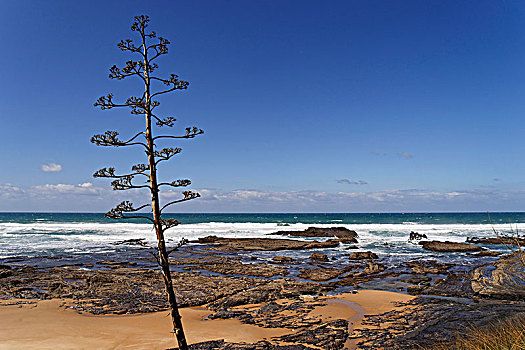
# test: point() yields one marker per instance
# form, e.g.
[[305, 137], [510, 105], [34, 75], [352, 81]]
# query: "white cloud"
[[51, 167], [350, 182], [8, 191], [406, 155], [86, 188]]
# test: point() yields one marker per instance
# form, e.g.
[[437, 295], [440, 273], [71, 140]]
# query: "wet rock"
[[418, 280], [415, 236], [282, 259], [328, 335], [268, 291], [496, 240], [133, 241], [226, 314], [504, 278], [319, 257], [372, 268], [232, 266], [321, 274], [5, 271], [339, 232], [414, 290], [119, 290], [282, 314], [347, 240], [362, 255], [446, 246], [261, 345], [423, 267], [113, 263], [454, 285], [486, 253], [425, 322], [264, 244]]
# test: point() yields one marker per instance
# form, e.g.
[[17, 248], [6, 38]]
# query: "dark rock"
[[261, 345], [121, 289], [362, 255], [5, 271], [372, 268], [232, 266], [496, 240], [414, 290], [133, 241], [455, 285], [427, 322], [347, 240], [504, 278], [264, 244], [321, 274], [424, 267], [486, 253], [415, 236], [339, 232], [225, 314], [293, 314], [319, 257], [418, 280], [438, 246], [328, 335], [282, 259], [117, 263], [268, 291]]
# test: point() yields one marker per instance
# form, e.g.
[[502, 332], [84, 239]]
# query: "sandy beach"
[[47, 325]]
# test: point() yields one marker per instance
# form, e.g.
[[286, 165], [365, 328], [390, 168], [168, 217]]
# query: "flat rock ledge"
[[264, 244], [327, 335], [504, 278], [446, 246], [362, 255], [349, 236], [496, 240]]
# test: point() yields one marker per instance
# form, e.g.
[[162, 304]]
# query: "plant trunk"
[[175, 315], [161, 244]]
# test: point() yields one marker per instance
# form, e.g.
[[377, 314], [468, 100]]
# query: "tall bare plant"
[[510, 240], [145, 105]]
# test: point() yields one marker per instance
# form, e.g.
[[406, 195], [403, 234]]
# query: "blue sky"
[[307, 106]]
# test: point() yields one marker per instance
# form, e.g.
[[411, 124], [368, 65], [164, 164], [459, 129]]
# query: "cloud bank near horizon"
[[88, 197]]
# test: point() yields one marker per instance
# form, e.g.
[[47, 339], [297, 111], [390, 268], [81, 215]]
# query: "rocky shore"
[[227, 274]]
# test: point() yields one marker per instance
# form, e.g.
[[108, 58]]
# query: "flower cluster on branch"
[[124, 207], [167, 223], [109, 138]]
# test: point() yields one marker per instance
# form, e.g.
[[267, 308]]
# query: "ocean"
[[44, 239]]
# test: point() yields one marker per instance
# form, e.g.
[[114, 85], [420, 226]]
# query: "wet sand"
[[46, 325]]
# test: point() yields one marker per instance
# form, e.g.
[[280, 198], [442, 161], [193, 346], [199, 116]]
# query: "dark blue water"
[[289, 218]]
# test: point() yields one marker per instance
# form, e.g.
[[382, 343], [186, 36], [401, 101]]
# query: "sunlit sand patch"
[[46, 325]]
